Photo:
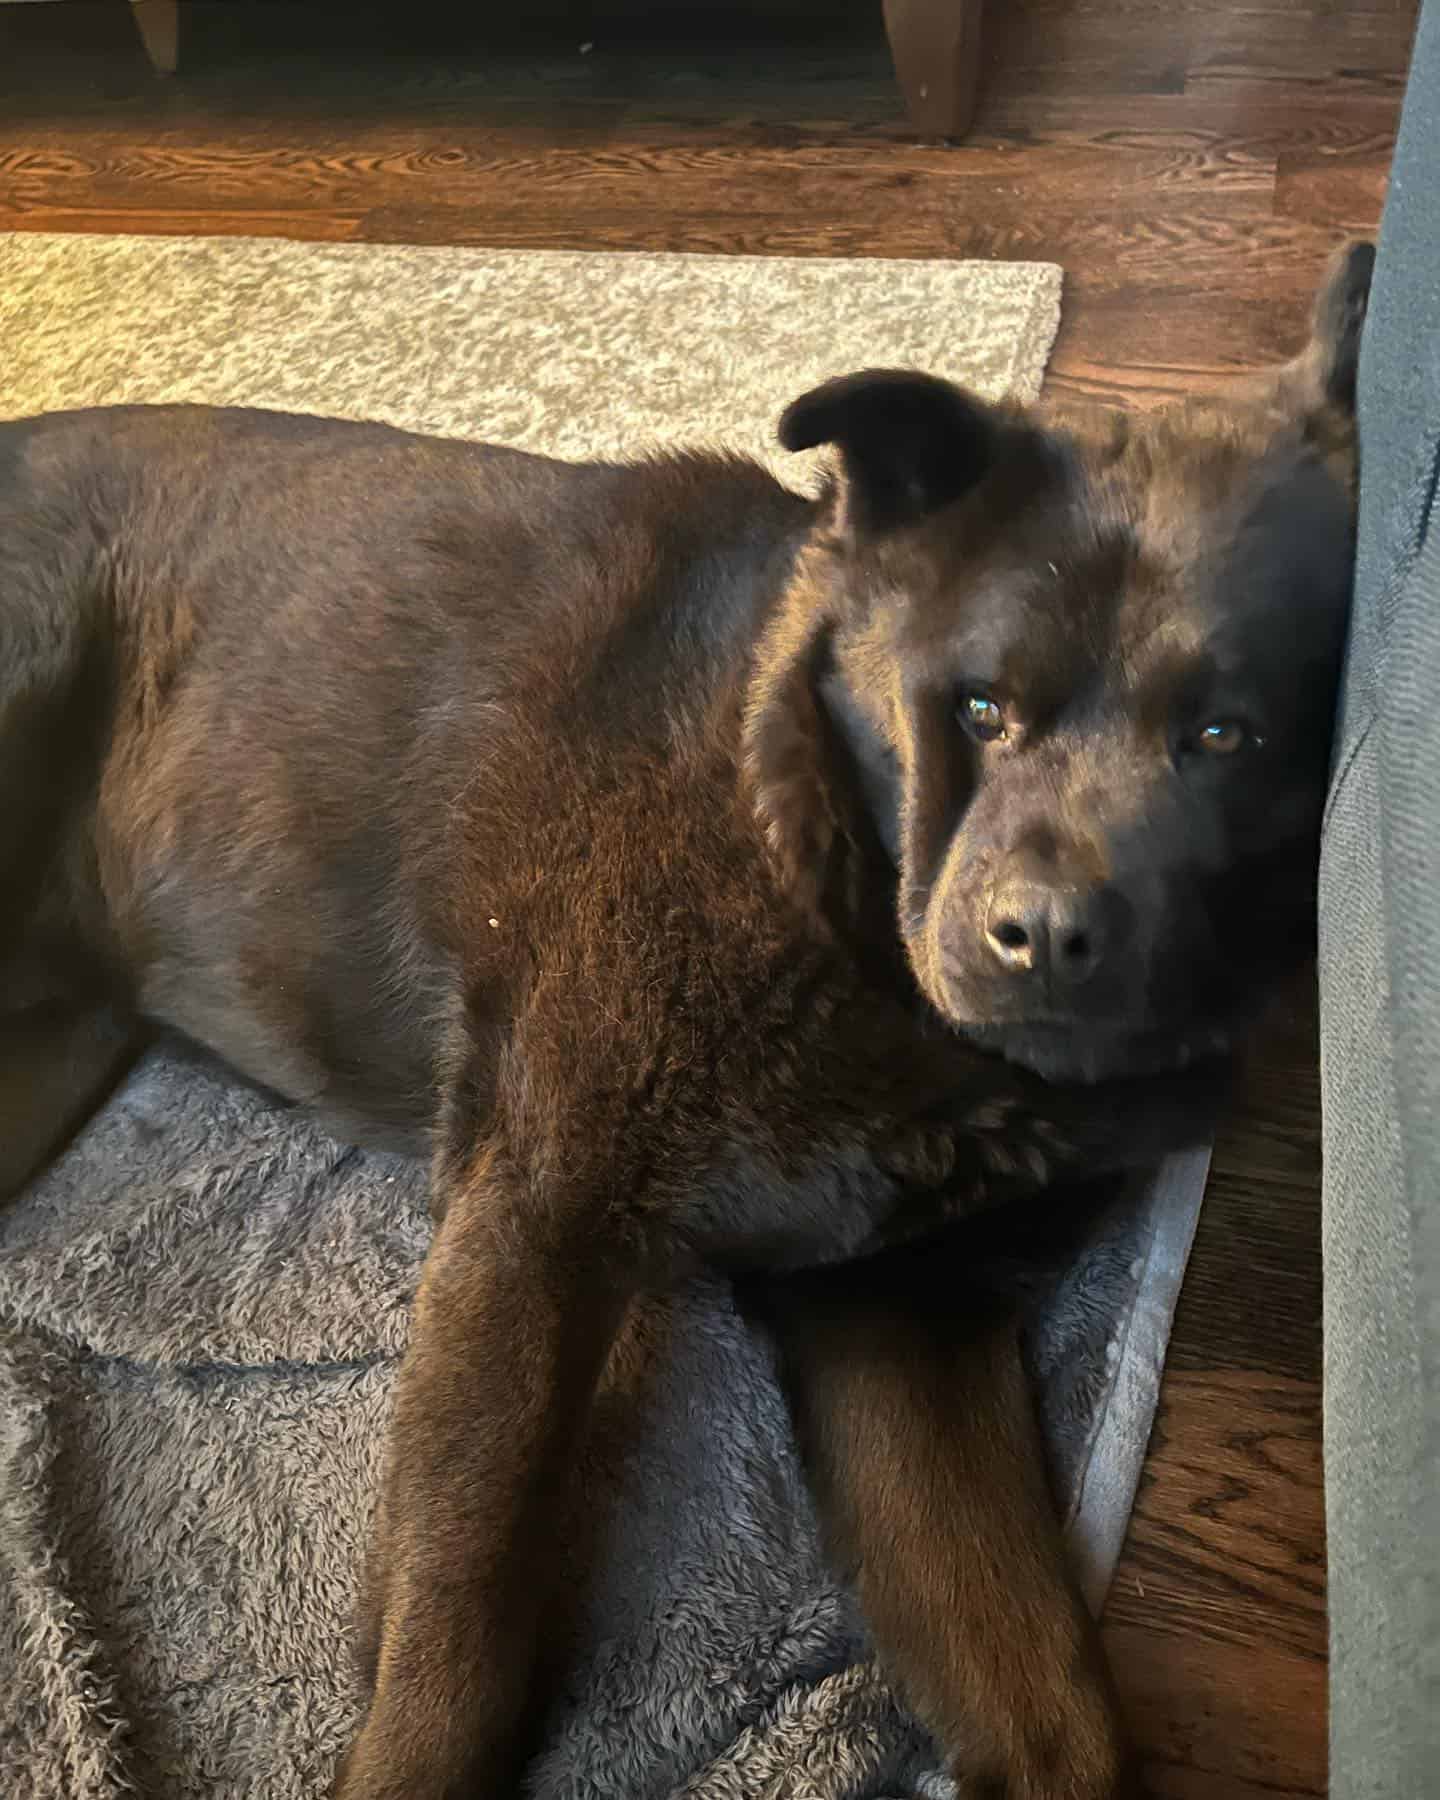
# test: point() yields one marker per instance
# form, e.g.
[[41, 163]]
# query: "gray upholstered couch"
[[1380, 997]]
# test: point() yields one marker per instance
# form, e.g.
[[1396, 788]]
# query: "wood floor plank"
[[1341, 194], [1228, 1537], [158, 221], [1223, 1722], [1216, 1620], [619, 177]]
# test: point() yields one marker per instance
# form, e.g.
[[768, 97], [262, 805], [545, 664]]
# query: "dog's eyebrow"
[[1200, 678], [1180, 668], [1164, 636]]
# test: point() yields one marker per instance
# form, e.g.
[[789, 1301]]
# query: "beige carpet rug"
[[570, 353], [202, 1304]]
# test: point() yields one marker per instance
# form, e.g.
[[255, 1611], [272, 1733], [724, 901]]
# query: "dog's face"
[[1077, 694]]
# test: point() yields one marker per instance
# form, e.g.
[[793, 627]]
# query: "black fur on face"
[[1084, 686]]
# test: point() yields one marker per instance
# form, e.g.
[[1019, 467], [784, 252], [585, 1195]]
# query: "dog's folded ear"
[[909, 443]]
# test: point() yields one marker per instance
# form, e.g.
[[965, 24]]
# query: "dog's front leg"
[[923, 1456], [512, 1324]]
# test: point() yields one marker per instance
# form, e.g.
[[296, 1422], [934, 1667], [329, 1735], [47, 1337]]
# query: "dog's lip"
[[1072, 1059], [1101, 996], [1051, 1021], [1080, 1035], [1087, 1050], [1058, 1024]]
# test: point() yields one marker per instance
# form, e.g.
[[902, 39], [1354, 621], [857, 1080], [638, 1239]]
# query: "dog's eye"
[[982, 717], [1222, 737]]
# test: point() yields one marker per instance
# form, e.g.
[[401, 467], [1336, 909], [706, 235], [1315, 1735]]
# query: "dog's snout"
[[1058, 932]]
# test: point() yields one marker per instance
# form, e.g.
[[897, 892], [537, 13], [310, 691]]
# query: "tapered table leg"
[[936, 46], [158, 22]]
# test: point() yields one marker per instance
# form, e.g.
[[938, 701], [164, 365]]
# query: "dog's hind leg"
[[64, 1036], [57, 1063]]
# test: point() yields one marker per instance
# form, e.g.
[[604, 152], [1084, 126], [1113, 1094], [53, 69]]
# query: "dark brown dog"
[[697, 872]]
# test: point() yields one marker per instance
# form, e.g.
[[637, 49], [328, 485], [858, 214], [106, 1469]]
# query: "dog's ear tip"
[[1347, 285], [797, 427], [1357, 257], [1339, 317]]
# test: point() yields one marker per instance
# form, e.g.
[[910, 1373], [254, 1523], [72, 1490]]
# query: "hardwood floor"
[[1190, 164]]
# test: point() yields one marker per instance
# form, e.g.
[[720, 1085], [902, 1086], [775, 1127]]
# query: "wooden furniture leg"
[[158, 22], [936, 47]]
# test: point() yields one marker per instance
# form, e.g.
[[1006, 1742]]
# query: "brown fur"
[[606, 832]]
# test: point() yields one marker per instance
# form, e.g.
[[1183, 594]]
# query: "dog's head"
[[1065, 699]]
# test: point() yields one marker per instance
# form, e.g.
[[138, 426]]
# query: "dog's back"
[[255, 661]]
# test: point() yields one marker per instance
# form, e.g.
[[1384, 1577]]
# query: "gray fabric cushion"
[[1380, 1008]]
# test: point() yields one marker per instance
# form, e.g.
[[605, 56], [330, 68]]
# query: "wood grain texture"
[[1191, 163]]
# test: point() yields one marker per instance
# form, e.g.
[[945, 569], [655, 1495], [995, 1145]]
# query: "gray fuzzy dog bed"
[[201, 1309], [203, 1302]]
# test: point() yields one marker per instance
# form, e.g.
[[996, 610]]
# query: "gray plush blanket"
[[201, 1308]]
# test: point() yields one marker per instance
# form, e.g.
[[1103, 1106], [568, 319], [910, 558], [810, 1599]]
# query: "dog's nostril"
[[1012, 942], [1033, 927]]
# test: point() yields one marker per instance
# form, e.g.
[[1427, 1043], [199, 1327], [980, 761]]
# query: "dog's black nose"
[[1053, 931]]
